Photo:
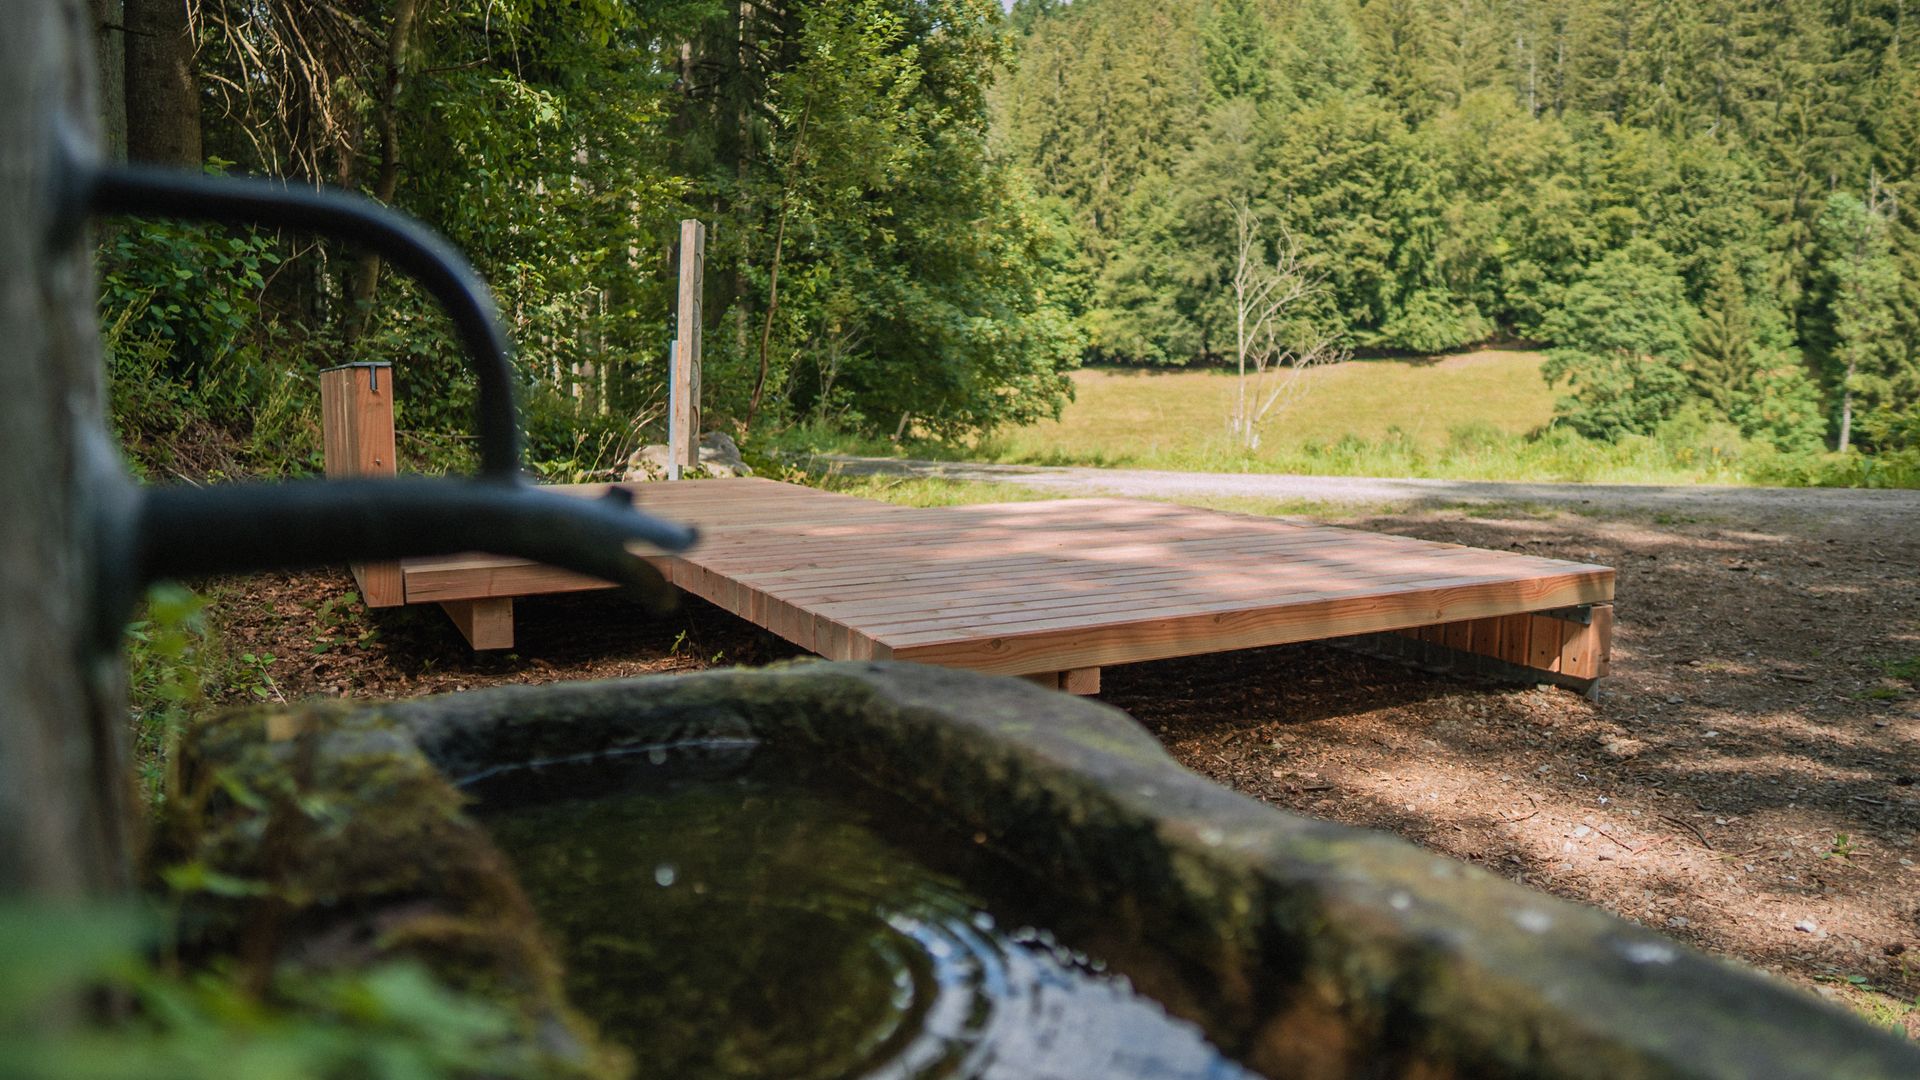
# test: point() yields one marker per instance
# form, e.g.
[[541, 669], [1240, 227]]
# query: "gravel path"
[[1837, 506]]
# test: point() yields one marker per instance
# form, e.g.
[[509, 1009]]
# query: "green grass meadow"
[[1181, 415], [1485, 415]]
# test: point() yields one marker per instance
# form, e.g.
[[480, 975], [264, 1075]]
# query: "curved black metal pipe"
[[410, 245], [186, 532], [150, 534]]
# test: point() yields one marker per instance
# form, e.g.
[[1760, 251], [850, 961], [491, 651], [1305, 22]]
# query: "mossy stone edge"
[[1332, 950]]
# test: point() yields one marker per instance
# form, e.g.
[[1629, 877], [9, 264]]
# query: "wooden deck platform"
[[1050, 590], [1067, 586]]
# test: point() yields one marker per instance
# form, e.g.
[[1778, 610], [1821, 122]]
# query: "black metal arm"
[[149, 534], [190, 532], [436, 264]]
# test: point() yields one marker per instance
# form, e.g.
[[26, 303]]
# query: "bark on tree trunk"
[[1846, 410], [163, 91], [366, 275], [110, 60], [64, 777]]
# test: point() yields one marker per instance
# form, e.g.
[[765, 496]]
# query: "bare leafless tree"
[[1274, 343]]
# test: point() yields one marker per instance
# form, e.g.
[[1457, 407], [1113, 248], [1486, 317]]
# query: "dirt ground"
[[1745, 781]]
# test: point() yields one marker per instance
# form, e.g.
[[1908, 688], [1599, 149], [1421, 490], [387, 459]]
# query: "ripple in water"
[[743, 927]]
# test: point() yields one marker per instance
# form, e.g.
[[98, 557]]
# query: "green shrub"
[[172, 666], [388, 1022], [1782, 407], [196, 287]]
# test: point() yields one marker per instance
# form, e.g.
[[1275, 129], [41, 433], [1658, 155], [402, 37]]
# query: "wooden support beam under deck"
[[1085, 680], [486, 623], [1570, 646]]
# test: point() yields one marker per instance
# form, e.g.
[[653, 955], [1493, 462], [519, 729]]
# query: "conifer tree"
[[1241, 57], [1468, 54], [1400, 41], [1328, 60], [1724, 343], [1862, 362]]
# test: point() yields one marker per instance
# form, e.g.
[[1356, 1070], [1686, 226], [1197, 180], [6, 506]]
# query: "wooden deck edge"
[[1246, 628], [381, 584]]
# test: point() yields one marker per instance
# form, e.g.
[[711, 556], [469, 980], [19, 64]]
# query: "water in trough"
[[727, 915]]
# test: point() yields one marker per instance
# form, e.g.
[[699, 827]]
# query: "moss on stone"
[[319, 838]]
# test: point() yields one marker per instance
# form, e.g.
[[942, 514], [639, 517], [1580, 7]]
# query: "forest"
[[923, 215], [1638, 242]]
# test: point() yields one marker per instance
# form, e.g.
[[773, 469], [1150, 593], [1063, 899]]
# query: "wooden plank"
[[1483, 636], [1547, 638], [1218, 628], [1179, 597], [1602, 650], [486, 624], [880, 569], [1514, 638], [1126, 583], [1111, 544], [1460, 598], [517, 578], [1578, 650], [882, 584], [357, 439], [911, 532], [1586, 652], [1072, 681]]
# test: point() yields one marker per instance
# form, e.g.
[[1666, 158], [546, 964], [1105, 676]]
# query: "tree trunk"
[[773, 271], [1846, 409], [64, 777], [366, 275], [110, 60], [163, 91]]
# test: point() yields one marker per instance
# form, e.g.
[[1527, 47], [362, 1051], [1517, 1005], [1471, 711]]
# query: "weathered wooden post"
[[356, 416], [64, 776], [683, 386]]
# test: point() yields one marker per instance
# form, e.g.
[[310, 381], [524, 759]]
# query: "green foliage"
[[1460, 167], [196, 287], [1781, 404], [922, 214], [914, 280], [1624, 330], [1242, 59], [194, 377], [389, 1022], [172, 667], [1864, 361], [868, 257]]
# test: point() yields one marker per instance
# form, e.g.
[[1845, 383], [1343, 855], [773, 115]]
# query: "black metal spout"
[[151, 192], [151, 534], [191, 532]]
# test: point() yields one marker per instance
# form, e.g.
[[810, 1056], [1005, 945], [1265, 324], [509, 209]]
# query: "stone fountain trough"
[[1157, 925]]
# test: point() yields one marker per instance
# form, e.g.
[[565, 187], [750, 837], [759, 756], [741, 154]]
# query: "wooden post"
[[66, 827], [683, 376], [356, 436]]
